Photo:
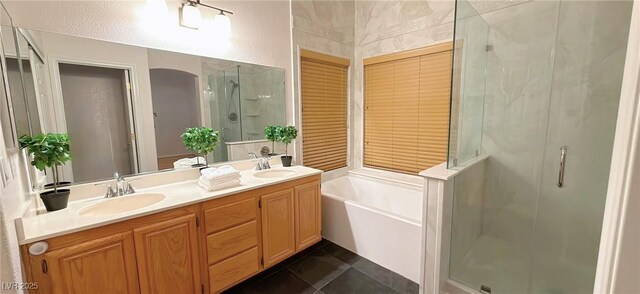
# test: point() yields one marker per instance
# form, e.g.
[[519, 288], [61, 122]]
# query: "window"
[[406, 117], [324, 110]]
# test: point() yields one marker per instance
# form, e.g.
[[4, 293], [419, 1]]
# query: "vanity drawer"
[[229, 215], [235, 269], [232, 241]]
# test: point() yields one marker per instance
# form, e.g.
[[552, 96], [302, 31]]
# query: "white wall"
[[175, 107]]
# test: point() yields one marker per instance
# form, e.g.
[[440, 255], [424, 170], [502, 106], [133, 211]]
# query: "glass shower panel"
[[553, 77], [263, 102], [244, 100], [252, 84], [468, 84], [229, 88], [587, 76], [500, 212]]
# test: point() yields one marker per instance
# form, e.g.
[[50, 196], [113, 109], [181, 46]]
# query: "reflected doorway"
[[99, 120]]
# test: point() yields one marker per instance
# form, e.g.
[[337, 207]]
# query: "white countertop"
[[57, 223]]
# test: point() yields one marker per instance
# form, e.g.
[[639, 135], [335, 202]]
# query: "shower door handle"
[[563, 158]]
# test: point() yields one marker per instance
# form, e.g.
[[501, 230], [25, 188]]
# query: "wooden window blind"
[[406, 117], [324, 110]]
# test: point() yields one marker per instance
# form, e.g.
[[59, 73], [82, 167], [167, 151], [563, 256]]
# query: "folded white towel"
[[220, 180], [214, 173], [187, 162], [209, 188], [218, 171]]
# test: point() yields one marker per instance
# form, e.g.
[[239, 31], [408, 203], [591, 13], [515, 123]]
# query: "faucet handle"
[[110, 192], [128, 188], [265, 164]]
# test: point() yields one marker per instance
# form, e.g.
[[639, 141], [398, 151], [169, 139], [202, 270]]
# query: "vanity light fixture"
[[223, 24], [190, 16]]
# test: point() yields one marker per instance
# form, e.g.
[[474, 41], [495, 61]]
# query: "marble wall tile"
[[377, 20], [332, 20], [313, 42]]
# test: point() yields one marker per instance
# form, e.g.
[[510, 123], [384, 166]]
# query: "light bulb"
[[223, 25], [190, 16]]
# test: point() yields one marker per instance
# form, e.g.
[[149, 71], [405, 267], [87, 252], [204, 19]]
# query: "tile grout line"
[[331, 256], [299, 277], [370, 276], [361, 258]]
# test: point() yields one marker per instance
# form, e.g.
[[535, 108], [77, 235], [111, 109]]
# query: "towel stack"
[[219, 178], [187, 162]]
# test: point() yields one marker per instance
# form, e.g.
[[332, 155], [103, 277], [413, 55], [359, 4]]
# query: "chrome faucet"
[[123, 187], [263, 162], [110, 192], [119, 183]]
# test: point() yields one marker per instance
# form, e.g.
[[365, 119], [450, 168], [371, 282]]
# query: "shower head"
[[235, 85]]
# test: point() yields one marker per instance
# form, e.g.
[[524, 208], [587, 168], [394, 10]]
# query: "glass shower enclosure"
[[536, 91], [244, 99]]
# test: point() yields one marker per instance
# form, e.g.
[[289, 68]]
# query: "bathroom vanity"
[[190, 241]]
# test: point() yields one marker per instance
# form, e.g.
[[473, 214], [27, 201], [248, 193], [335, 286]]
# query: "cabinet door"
[[107, 264], [167, 254], [308, 219], [277, 226]]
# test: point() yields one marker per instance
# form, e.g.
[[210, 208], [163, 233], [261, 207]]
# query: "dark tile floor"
[[326, 268]]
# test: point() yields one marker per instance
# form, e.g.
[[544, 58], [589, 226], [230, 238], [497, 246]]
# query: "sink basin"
[[121, 204], [273, 173]]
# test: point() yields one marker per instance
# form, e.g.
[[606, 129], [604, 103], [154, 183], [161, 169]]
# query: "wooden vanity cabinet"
[[308, 215], [150, 254], [232, 241], [278, 226], [206, 247], [168, 257], [106, 263]]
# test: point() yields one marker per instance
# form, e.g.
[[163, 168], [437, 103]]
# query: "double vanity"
[[173, 238]]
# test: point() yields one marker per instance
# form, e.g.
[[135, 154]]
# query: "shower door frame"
[[626, 149]]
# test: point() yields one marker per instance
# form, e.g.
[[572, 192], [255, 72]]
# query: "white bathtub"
[[377, 219]]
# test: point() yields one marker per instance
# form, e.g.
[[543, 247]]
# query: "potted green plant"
[[200, 140], [270, 135], [286, 135], [49, 151]]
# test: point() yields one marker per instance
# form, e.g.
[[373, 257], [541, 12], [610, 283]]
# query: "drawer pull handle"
[[45, 267]]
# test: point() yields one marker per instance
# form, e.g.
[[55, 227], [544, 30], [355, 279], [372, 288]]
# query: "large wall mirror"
[[125, 107]]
